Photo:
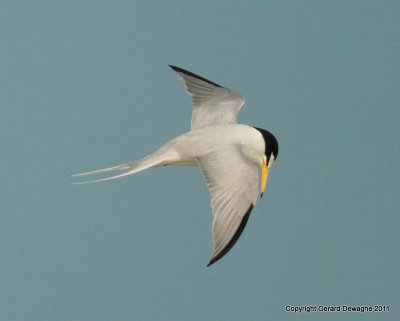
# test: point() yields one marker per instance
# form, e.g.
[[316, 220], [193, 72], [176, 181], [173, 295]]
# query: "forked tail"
[[129, 168]]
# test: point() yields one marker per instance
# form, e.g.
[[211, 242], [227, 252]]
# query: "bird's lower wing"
[[233, 184]]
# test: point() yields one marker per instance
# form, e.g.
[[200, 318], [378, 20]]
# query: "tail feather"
[[130, 168], [106, 178], [164, 156], [109, 169]]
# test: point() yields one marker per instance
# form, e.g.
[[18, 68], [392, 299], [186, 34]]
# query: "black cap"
[[271, 143]]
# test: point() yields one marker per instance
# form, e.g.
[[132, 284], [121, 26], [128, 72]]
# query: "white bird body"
[[228, 154], [199, 142]]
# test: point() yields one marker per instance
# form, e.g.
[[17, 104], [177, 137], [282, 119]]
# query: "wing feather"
[[212, 103], [233, 184]]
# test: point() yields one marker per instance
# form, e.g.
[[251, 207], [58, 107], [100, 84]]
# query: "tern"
[[234, 158]]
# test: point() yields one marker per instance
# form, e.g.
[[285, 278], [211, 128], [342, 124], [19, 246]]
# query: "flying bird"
[[234, 158]]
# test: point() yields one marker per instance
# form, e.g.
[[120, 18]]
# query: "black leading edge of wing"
[[234, 238], [183, 71]]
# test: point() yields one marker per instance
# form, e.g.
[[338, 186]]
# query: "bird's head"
[[270, 155]]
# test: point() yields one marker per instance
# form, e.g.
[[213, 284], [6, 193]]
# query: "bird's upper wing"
[[212, 103], [233, 184]]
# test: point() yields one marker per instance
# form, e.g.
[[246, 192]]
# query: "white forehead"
[[271, 160]]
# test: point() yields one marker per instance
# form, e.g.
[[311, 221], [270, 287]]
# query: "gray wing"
[[212, 103], [233, 184]]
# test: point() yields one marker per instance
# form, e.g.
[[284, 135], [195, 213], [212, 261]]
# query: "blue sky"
[[86, 85]]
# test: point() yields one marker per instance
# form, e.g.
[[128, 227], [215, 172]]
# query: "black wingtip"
[[234, 239], [186, 72], [174, 67], [261, 195]]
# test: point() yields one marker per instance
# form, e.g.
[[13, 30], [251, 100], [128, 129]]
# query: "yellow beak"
[[264, 177]]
